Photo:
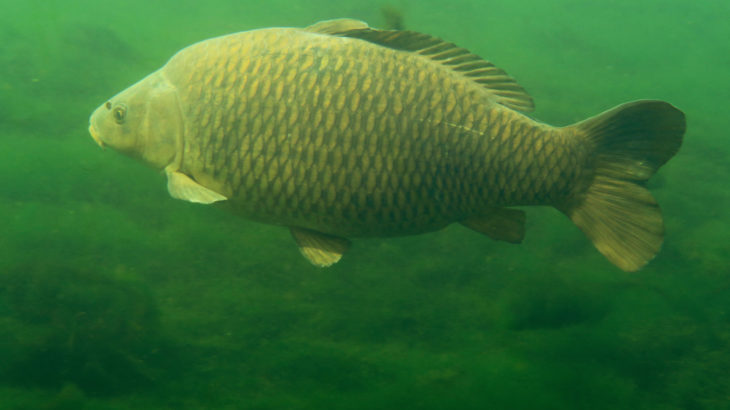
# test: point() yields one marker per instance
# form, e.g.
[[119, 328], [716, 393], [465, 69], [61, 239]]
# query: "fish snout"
[[95, 136]]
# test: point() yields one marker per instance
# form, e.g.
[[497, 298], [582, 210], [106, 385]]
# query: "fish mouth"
[[95, 135]]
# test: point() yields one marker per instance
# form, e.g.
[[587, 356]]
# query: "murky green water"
[[115, 296]]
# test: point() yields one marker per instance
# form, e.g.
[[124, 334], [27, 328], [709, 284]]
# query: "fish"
[[339, 130]]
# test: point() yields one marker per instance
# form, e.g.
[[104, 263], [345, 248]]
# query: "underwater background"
[[115, 296]]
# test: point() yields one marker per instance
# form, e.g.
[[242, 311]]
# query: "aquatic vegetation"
[[97, 331], [69, 398], [548, 302]]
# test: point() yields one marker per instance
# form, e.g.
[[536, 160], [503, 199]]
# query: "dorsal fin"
[[504, 88], [336, 26]]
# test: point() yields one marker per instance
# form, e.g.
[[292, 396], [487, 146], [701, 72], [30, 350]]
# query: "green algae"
[[86, 329]]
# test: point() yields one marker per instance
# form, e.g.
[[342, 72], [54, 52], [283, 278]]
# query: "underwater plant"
[[97, 331]]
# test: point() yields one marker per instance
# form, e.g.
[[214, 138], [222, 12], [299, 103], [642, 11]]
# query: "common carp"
[[340, 130]]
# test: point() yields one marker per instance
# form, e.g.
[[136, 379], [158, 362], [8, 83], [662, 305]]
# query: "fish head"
[[144, 122]]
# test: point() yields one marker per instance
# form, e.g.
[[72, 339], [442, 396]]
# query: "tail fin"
[[616, 211]]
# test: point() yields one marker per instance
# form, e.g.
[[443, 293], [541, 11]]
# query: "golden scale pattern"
[[355, 139]]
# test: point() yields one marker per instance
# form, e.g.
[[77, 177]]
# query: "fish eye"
[[108, 105], [119, 112]]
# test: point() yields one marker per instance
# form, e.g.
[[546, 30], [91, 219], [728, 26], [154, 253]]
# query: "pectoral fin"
[[501, 224], [181, 186], [321, 249]]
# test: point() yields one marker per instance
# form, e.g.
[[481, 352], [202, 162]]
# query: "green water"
[[115, 296]]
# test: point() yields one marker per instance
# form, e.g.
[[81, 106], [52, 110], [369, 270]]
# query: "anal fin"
[[321, 249], [501, 224], [181, 186]]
